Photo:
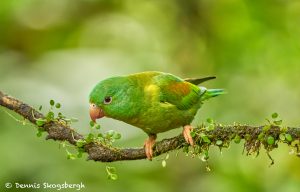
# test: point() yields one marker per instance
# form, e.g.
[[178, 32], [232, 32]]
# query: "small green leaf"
[[80, 143], [270, 140], [185, 149], [266, 128], [70, 155], [206, 155], [164, 163], [167, 156], [274, 115], [205, 139], [261, 136], [79, 154], [39, 133], [111, 170], [50, 116], [89, 138], [52, 102], [219, 142], [60, 115], [282, 136], [58, 105], [210, 127], [237, 139], [193, 134], [90, 135], [110, 133], [117, 136], [288, 137], [278, 122], [113, 177], [40, 108], [209, 120], [92, 123], [97, 126], [40, 122]]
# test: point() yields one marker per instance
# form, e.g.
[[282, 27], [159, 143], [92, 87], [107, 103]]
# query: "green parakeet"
[[152, 101]]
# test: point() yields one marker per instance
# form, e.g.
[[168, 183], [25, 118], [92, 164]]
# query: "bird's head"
[[110, 98]]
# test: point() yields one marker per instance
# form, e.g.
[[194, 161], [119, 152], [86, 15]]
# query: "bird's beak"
[[95, 112]]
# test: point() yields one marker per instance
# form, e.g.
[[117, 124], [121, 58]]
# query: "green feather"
[[209, 93]]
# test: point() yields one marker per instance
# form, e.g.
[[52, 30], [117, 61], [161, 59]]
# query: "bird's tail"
[[209, 93]]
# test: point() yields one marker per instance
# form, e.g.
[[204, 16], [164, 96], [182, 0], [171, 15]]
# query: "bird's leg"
[[187, 134], [148, 146]]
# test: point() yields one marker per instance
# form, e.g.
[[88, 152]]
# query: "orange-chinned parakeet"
[[153, 101]]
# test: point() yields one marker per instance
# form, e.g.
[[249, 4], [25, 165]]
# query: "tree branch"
[[220, 136]]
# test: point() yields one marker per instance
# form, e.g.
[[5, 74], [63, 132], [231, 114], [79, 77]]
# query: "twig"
[[98, 152]]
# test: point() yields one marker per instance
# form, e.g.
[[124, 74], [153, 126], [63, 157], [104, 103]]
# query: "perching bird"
[[153, 101]]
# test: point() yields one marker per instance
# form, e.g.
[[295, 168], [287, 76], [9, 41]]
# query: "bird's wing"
[[177, 92], [197, 81]]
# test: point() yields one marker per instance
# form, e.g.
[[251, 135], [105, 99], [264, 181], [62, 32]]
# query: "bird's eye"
[[107, 100]]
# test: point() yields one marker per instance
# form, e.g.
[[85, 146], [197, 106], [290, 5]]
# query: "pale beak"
[[95, 112]]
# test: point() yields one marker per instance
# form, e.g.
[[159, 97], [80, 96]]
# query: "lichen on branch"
[[209, 134]]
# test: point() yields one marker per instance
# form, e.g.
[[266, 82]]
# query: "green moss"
[[268, 137]]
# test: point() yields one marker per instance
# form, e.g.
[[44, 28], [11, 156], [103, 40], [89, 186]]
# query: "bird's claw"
[[148, 145], [187, 134]]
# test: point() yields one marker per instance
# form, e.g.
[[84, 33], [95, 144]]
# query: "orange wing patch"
[[180, 88]]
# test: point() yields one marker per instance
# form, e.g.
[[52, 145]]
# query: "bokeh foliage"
[[59, 49]]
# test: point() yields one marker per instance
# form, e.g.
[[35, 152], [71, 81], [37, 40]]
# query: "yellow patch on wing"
[[151, 91]]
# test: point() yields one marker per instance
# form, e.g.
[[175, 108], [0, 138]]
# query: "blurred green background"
[[60, 49]]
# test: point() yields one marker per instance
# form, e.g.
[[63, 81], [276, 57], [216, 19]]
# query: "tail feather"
[[197, 81], [209, 93]]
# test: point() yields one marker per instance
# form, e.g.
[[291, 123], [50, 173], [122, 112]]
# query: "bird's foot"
[[148, 145], [187, 134]]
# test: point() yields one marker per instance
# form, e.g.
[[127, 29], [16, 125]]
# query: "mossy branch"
[[266, 136]]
